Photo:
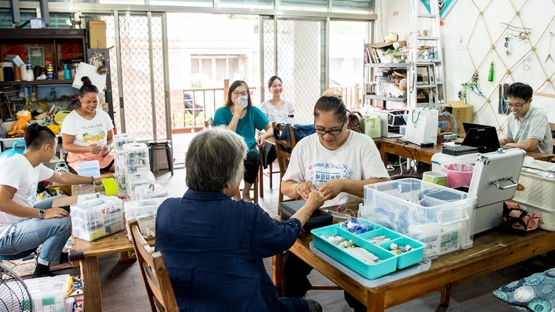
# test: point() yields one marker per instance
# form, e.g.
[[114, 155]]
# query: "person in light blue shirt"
[[240, 116]]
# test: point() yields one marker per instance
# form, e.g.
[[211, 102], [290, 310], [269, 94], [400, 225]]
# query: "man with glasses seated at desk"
[[527, 128], [24, 223]]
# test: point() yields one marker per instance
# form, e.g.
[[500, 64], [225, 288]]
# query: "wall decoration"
[[36, 55], [444, 6]]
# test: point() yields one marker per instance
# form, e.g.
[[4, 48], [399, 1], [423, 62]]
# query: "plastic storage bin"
[[389, 260], [49, 293], [121, 139], [136, 156], [142, 176], [96, 218], [145, 191], [440, 217], [144, 211]]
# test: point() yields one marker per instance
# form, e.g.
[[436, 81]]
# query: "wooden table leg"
[[375, 302], [384, 154], [92, 299], [446, 295], [277, 273]]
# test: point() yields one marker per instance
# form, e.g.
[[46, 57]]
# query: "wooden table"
[[86, 253], [424, 154], [491, 251]]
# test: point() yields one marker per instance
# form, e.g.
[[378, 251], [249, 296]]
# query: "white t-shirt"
[[18, 173], [277, 114], [88, 132], [357, 159]]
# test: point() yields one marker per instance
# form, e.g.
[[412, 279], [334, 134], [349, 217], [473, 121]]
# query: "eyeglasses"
[[244, 93], [517, 106], [332, 132]]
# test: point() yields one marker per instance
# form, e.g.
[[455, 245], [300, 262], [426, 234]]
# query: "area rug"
[[25, 268], [76, 294], [533, 293]]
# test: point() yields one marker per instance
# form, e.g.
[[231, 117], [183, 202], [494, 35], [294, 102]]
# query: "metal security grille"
[[268, 56], [142, 76], [301, 66]]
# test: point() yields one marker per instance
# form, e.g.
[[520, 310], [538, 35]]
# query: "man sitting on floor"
[[24, 224]]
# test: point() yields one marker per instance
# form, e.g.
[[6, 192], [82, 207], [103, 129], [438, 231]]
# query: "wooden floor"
[[123, 290]]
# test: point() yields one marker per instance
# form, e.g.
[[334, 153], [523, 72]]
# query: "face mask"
[[244, 100]]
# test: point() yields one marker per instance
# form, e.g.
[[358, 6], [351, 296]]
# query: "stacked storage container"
[[144, 211], [98, 217], [440, 217], [140, 177], [119, 141]]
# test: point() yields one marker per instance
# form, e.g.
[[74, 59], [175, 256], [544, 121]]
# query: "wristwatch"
[[41, 214]]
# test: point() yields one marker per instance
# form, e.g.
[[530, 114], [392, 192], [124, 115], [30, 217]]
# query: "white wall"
[[468, 37]]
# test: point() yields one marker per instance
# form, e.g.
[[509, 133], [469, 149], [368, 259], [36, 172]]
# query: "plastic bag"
[[518, 220], [458, 174]]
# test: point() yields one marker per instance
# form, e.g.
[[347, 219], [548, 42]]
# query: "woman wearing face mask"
[[276, 108], [87, 131], [240, 116]]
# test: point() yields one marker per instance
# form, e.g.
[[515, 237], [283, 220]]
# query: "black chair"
[[160, 145]]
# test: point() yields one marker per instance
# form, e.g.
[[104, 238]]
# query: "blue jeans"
[[30, 233]]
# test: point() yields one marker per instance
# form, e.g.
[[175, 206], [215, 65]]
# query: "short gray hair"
[[214, 158]]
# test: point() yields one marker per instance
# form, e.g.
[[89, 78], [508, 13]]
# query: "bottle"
[[49, 70], [67, 73], [34, 94], [26, 93], [491, 72], [29, 72]]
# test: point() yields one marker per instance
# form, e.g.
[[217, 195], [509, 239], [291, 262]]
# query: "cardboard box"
[[97, 34], [462, 112]]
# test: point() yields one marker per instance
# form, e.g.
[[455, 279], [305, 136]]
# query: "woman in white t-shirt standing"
[[87, 131], [276, 108]]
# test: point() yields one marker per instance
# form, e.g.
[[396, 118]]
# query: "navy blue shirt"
[[213, 247]]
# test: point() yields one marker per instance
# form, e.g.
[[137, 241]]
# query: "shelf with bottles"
[[39, 46]]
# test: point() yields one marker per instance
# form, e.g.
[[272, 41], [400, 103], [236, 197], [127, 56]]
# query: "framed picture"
[[36, 55]]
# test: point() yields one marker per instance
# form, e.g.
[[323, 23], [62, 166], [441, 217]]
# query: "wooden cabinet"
[[57, 44]]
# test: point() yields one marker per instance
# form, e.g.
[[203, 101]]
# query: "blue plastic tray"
[[390, 261]]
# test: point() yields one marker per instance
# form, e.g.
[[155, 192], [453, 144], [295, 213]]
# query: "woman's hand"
[[55, 213], [105, 151], [260, 141], [304, 189], [315, 200], [331, 188], [95, 149], [237, 108]]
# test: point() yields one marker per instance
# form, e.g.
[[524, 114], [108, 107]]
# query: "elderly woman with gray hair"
[[213, 246]]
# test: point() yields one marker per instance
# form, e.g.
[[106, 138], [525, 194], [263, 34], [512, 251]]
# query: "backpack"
[[353, 121]]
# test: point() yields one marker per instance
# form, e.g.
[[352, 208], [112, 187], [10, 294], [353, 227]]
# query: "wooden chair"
[[153, 270], [283, 158]]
